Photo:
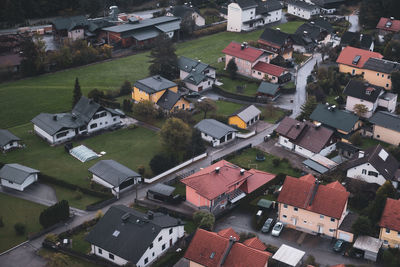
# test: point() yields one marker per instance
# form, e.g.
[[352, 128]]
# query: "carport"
[[288, 256], [161, 192], [264, 204], [369, 245]]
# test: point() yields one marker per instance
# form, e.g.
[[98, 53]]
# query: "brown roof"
[[388, 24], [349, 53], [255, 243], [229, 232], [329, 200], [290, 128], [248, 53], [391, 215], [257, 179], [270, 69]]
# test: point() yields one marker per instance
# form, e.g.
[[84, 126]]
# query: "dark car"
[[339, 245], [267, 225]]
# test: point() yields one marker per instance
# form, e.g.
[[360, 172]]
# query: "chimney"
[[317, 125], [150, 215], [361, 36], [315, 189], [305, 32], [297, 125], [241, 46], [391, 18], [312, 22], [228, 249], [333, 107], [360, 154], [242, 171], [327, 104], [217, 169]]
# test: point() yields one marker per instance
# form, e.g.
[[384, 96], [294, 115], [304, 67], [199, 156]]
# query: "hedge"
[[54, 214], [210, 30], [224, 93]]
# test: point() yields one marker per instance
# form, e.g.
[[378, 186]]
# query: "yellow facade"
[[235, 120], [373, 77], [386, 135], [139, 95], [352, 70], [390, 237], [182, 104]]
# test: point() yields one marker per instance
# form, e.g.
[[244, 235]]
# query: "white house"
[[17, 176], [196, 75], [113, 175], [8, 140], [246, 15], [182, 11], [86, 117], [302, 9], [215, 132], [374, 165], [124, 235]]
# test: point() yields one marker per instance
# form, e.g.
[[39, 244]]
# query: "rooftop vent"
[[212, 255], [318, 124], [305, 32], [217, 169], [327, 104], [241, 46], [392, 18], [333, 107], [356, 60], [312, 22], [297, 125], [242, 171], [116, 233], [360, 154], [125, 217]]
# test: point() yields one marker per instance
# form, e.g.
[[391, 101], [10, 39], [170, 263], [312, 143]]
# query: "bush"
[[210, 30], [204, 219], [126, 88], [51, 238], [20, 228], [1, 221], [54, 214], [160, 163], [276, 162], [78, 195]]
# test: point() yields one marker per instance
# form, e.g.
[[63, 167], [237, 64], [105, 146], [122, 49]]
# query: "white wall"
[[356, 173], [302, 13], [10, 145], [31, 179], [304, 152], [352, 101], [43, 134], [103, 122], [216, 142], [234, 18], [105, 254], [114, 190], [199, 20], [390, 105], [70, 134], [285, 142], [76, 34], [324, 152]]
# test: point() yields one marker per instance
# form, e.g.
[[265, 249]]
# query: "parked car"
[[339, 245], [267, 225], [202, 98], [276, 231]]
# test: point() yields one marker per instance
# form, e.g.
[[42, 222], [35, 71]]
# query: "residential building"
[[113, 175], [245, 15], [328, 6], [10, 63], [364, 41], [373, 165], [8, 140], [302, 9], [85, 118], [208, 249], [378, 72], [371, 96], [269, 90], [196, 75], [124, 235], [289, 256], [305, 138], [308, 206], [276, 42], [386, 127], [215, 132], [183, 11], [351, 60], [310, 34], [270, 72], [388, 26], [17, 176], [390, 224], [343, 122], [221, 185], [72, 28], [244, 117]]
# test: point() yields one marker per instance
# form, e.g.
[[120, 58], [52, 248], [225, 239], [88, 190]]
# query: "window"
[[364, 171], [332, 219], [59, 135], [10, 182], [284, 216], [331, 230], [383, 75], [259, 73], [170, 231], [371, 173], [305, 222], [153, 254], [94, 125], [111, 256], [163, 247], [115, 119], [296, 209], [385, 242], [378, 136], [285, 206], [82, 128], [387, 85], [160, 238], [388, 76], [151, 245], [146, 260], [387, 230], [398, 234], [321, 216], [353, 72], [377, 74], [100, 251]]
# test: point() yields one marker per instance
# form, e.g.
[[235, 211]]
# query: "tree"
[[196, 146], [160, 163], [360, 109], [175, 135], [232, 68], [356, 139], [362, 226], [395, 78], [145, 109], [127, 105], [20, 228], [204, 219], [77, 92], [33, 56], [126, 88], [164, 61], [270, 110], [307, 108], [188, 25], [207, 105], [96, 95]]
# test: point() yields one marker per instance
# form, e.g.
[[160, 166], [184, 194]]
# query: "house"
[[390, 224], [72, 28], [305, 138], [270, 72], [386, 127], [351, 60], [276, 42], [388, 25], [8, 140], [10, 63], [328, 6], [183, 11], [221, 185], [302, 9], [371, 96], [318, 30], [208, 249], [244, 117], [306, 205], [246, 15], [378, 72], [269, 90], [364, 41], [85, 118], [215, 132], [289, 256], [196, 75], [373, 165], [141, 33], [17, 176], [113, 175], [343, 122], [115, 237]]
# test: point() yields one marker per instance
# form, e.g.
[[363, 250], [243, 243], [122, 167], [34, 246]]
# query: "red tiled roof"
[[255, 243], [329, 200], [336, 185], [242, 255], [271, 69], [257, 179], [391, 215], [349, 53], [228, 232], [394, 27], [249, 53]]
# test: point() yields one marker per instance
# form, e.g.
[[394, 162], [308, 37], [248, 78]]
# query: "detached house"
[[8, 140], [386, 127], [388, 25], [215, 132], [351, 60], [196, 75], [245, 117], [276, 42], [183, 11], [390, 224], [124, 235], [17, 176], [302, 9], [307, 205], [364, 40], [85, 118], [379, 71]]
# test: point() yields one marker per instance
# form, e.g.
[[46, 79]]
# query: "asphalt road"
[[355, 26]]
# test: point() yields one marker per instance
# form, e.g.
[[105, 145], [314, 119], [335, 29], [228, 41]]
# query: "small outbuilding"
[[369, 245], [270, 90], [17, 176], [215, 132], [245, 117], [161, 192], [8, 140], [289, 255]]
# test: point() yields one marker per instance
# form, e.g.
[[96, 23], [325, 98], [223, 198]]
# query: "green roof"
[[334, 118], [268, 88]]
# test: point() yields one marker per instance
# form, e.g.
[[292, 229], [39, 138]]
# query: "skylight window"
[[212, 255], [383, 154], [116, 233], [356, 60]]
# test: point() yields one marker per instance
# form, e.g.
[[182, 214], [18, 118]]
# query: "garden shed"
[[369, 245]]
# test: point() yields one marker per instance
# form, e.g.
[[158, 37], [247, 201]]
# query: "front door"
[[320, 229], [200, 88]]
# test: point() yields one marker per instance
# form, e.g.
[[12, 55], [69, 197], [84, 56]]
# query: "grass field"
[[290, 27], [130, 147], [14, 210], [224, 108], [277, 114], [229, 85], [70, 196], [79, 243], [22, 100]]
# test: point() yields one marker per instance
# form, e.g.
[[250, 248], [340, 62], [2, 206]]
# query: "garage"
[[345, 236]]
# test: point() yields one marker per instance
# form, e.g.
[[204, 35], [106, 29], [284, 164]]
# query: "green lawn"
[[131, 147], [224, 108], [274, 116], [71, 261], [180, 189], [70, 196], [14, 210], [369, 142], [229, 85], [290, 27], [248, 160], [79, 243]]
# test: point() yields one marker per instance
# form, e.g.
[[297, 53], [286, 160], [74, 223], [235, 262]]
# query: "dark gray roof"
[[327, 3], [334, 118], [247, 113], [168, 100], [386, 120], [358, 89], [214, 128], [302, 4], [16, 173], [182, 10], [348, 221], [154, 84], [85, 108], [246, 4], [6, 137], [303, 40], [347, 147], [70, 23], [112, 172], [140, 24], [264, 7], [162, 189], [53, 123], [315, 29], [381, 65], [195, 68], [128, 233], [348, 37], [274, 36], [268, 88]]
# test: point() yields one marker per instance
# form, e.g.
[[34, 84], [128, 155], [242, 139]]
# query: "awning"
[[264, 203], [315, 166], [239, 197]]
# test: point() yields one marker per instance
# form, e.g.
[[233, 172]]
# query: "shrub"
[[276, 162], [204, 219], [20, 228], [99, 215], [160, 163], [210, 30], [51, 238], [78, 194], [54, 214], [126, 88], [1, 221]]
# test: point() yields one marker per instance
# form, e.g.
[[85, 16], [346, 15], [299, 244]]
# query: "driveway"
[[36, 192], [355, 26]]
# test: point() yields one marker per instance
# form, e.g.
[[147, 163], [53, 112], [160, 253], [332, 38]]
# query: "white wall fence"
[[184, 164], [245, 136]]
